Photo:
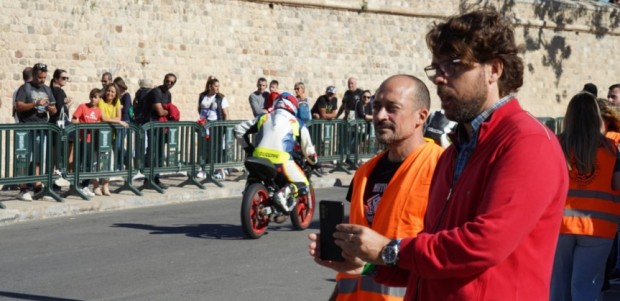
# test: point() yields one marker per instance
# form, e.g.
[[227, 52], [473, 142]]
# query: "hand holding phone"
[[331, 213]]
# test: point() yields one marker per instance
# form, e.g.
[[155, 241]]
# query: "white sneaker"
[[25, 196], [86, 191], [201, 175], [62, 182], [138, 176], [219, 175]]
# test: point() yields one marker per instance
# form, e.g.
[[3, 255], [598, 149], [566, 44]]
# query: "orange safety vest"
[[400, 214], [592, 206], [615, 136]]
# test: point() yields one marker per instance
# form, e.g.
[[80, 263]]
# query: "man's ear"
[[423, 115], [496, 69]]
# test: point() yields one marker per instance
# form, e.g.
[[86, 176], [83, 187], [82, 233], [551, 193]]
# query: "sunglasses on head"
[[41, 67]]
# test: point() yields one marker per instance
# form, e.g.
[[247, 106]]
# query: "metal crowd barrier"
[[98, 150], [170, 147], [101, 150], [28, 157], [221, 148], [331, 141]]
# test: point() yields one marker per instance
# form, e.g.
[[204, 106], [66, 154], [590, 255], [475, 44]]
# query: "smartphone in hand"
[[331, 213]]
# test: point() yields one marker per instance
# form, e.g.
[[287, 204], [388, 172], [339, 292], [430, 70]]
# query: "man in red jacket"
[[496, 198]]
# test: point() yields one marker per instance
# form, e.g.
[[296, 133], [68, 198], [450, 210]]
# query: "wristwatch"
[[389, 254]]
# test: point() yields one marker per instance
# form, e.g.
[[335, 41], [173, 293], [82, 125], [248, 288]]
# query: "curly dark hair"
[[480, 36]]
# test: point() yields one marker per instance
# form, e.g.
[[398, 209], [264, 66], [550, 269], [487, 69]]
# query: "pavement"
[[17, 211]]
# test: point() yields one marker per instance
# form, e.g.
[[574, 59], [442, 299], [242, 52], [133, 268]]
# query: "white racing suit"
[[277, 134]]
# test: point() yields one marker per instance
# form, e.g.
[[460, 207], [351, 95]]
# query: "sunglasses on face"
[[64, 77]]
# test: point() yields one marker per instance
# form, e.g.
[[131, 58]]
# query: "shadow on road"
[[210, 231], [21, 296]]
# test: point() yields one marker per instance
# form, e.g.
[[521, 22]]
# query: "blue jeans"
[[579, 267], [120, 153]]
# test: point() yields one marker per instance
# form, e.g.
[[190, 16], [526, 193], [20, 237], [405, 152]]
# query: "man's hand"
[[362, 242], [351, 265]]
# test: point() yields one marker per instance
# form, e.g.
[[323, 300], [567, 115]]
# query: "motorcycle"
[[258, 208]]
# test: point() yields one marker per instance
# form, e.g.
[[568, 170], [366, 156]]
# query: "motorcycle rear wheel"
[[302, 214], [253, 221]]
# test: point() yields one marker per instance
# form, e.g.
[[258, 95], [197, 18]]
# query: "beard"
[[464, 106], [383, 136]]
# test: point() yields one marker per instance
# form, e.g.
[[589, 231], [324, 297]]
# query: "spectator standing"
[[591, 215], [110, 112], [304, 103], [350, 99], [363, 110], [59, 79], [154, 102], [213, 106], [273, 94], [106, 79], [378, 199], [326, 105], [88, 113], [139, 108], [485, 236], [34, 102], [273, 87], [613, 95], [120, 157], [258, 97], [26, 77]]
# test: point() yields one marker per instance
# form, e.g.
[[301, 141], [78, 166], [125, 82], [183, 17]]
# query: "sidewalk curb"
[[18, 211]]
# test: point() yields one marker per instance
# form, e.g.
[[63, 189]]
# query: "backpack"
[[138, 109], [303, 112]]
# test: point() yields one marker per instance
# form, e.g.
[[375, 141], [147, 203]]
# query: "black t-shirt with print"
[[376, 185]]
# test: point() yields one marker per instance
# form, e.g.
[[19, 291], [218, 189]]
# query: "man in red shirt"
[[497, 195]]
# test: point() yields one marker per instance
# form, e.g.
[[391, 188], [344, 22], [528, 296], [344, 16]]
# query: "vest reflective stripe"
[[347, 285], [369, 285], [601, 195], [592, 214], [368, 290]]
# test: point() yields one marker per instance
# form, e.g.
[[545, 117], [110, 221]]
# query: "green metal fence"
[[31, 152], [171, 147]]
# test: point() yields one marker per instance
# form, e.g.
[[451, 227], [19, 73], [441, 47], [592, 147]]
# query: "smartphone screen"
[[331, 213]]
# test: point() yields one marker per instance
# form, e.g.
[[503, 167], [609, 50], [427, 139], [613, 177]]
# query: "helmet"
[[286, 101]]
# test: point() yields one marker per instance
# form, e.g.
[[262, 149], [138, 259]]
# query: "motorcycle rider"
[[278, 133]]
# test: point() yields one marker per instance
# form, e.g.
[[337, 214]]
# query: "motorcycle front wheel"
[[302, 214], [253, 221]]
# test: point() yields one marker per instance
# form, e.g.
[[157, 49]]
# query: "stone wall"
[[319, 42]]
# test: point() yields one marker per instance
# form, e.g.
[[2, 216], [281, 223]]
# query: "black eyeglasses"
[[365, 97], [170, 82], [41, 67], [447, 68], [64, 77]]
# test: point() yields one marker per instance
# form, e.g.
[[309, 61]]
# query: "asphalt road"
[[192, 251]]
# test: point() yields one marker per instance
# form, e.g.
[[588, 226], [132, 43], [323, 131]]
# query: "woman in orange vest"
[[611, 120], [591, 212]]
